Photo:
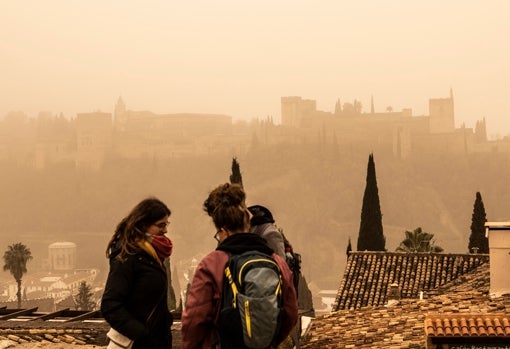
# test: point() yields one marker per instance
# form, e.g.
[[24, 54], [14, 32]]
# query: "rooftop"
[[369, 274], [411, 322]]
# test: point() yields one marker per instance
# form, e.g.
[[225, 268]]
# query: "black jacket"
[[239, 243], [134, 289]]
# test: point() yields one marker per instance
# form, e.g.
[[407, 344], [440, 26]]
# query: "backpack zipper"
[[253, 261], [247, 317], [278, 289]]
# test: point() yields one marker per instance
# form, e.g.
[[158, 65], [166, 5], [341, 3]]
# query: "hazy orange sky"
[[239, 57]]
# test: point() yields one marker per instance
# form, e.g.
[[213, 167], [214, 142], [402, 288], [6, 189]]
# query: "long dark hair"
[[227, 208], [132, 228]]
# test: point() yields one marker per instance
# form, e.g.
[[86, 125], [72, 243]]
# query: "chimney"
[[498, 234], [393, 294]]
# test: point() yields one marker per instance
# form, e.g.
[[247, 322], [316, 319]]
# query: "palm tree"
[[418, 241], [15, 259]]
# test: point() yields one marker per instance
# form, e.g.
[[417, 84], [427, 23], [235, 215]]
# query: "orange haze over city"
[[240, 58]]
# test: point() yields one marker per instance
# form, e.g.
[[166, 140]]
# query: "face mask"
[[162, 245]]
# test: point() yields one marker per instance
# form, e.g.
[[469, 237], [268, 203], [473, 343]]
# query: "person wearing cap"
[[262, 224]]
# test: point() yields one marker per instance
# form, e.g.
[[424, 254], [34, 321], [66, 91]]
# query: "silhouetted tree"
[[357, 106], [236, 177], [371, 237], [338, 107], [477, 239], [418, 241], [15, 259], [83, 299], [349, 248]]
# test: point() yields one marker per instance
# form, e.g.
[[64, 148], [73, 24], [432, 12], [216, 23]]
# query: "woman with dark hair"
[[227, 208], [134, 301]]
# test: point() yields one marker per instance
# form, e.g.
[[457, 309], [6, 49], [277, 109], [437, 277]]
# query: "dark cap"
[[260, 214]]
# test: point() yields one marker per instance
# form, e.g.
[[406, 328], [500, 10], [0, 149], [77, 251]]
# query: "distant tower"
[[62, 256], [119, 115], [295, 109], [372, 109], [338, 107], [441, 115]]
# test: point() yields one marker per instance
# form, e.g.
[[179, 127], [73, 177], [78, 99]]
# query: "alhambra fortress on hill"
[[92, 138]]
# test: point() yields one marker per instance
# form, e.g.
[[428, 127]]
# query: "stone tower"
[[119, 115], [441, 115], [295, 109]]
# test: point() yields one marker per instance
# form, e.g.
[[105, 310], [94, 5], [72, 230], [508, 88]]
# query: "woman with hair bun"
[[227, 208]]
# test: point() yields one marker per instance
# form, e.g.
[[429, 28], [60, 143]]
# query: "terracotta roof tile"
[[480, 325], [410, 322], [369, 274], [406, 324]]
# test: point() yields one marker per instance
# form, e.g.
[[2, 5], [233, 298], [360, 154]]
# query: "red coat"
[[204, 300]]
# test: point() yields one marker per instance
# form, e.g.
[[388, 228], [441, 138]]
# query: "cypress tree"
[[236, 177], [349, 248], [371, 237], [83, 300], [477, 238]]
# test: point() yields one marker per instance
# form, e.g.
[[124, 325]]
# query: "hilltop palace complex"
[[90, 139]]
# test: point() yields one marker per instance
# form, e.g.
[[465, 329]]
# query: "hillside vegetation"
[[315, 195]]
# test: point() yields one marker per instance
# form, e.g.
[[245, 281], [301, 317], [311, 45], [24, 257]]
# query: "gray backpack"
[[251, 302]]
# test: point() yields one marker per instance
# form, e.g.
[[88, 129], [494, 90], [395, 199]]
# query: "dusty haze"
[[314, 193], [239, 58]]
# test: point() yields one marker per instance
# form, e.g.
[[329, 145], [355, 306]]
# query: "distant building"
[[397, 132], [62, 256], [92, 139], [54, 285]]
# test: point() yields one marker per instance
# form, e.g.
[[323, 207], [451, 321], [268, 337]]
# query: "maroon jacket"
[[204, 296]]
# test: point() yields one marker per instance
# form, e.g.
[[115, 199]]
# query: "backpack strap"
[[278, 291], [232, 284]]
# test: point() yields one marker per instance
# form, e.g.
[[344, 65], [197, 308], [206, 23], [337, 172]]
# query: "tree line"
[[370, 238]]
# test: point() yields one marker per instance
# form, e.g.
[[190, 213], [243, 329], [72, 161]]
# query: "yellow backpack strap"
[[233, 286], [278, 290]]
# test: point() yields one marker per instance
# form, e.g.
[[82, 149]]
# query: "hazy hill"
[[314, 193]]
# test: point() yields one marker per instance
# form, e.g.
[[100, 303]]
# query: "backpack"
[[251, 301]]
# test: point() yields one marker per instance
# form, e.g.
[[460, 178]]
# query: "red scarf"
[[162, 245]]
